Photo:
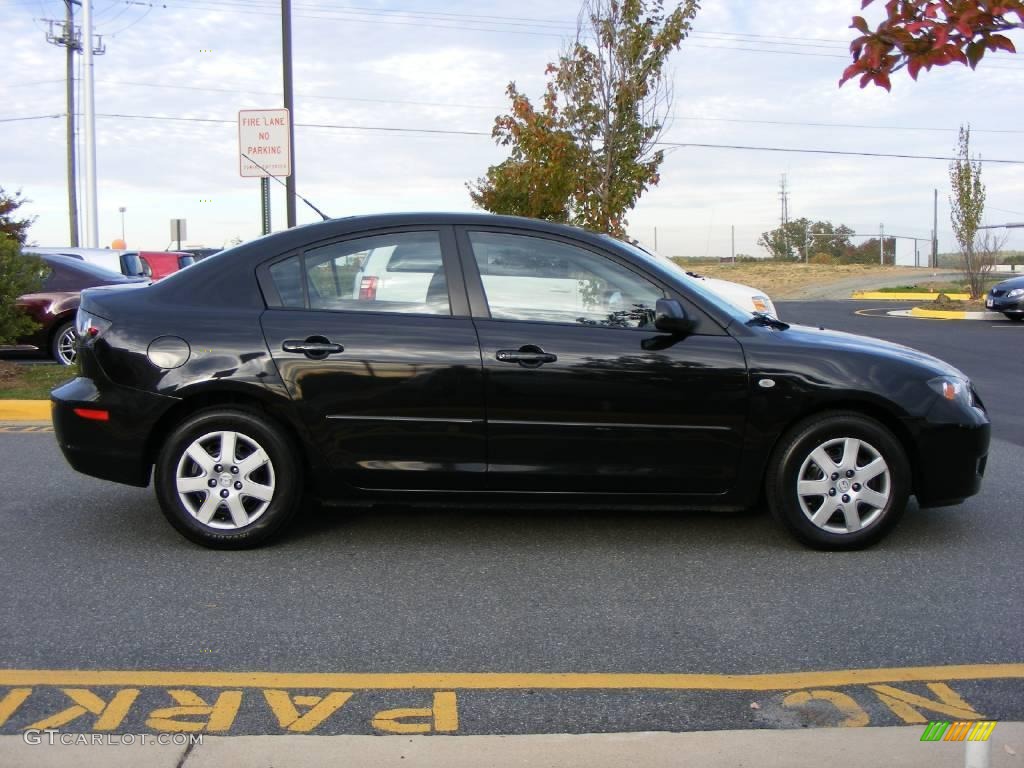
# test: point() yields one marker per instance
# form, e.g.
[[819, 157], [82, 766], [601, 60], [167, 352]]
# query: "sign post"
[[265, 136], [178, 231], [265, 204]]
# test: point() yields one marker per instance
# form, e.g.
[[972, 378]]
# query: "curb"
[[24, 410], [941, 314], [895, 747], [889, 296]]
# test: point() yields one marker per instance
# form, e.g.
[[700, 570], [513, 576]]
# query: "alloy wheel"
[[66, 349], [225, 480], [844, 485]]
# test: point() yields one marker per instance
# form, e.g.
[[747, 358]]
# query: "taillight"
[[89, 326], [368, 288]]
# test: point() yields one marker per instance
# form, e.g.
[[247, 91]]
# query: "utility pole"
[[935, 230], [289, 104], [69, 39], [784, 198], [655, 239], [732, 249], [881, 244]]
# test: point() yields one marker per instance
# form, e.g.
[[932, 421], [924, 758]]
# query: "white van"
[[121, 262]]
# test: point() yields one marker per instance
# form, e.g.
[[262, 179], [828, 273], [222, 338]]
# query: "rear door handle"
[[314, 347], [528, 356]]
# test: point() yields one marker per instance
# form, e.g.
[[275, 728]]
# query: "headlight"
[[952, 388], [1015, 293]]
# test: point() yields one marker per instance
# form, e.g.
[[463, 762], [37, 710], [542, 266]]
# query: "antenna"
[[323, 215]]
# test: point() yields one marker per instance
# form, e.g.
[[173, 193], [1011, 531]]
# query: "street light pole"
[[289, 104], [89, 129], [121, 210]]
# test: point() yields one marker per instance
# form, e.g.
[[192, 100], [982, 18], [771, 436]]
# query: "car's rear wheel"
[[839, 481], [228, 479], [62, 345], [1015, 318]]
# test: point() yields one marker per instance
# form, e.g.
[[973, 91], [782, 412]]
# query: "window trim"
[[458, 303]]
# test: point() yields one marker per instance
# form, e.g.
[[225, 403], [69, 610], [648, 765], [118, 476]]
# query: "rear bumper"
[[951, 462], [115, 449]]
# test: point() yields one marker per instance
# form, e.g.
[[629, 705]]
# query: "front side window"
[[532, 278]]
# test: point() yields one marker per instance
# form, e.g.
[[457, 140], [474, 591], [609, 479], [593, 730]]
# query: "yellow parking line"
[[511, 680]]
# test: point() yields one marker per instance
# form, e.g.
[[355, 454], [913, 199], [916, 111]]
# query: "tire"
[[865, 505], [1015, 318], [62, 344], [261, 498]]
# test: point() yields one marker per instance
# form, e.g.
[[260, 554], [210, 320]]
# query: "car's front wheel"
[[1015, 318], [228, 479], [839, 481]]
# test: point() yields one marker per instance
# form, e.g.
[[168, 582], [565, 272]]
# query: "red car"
[[56, 303], [159, 264]]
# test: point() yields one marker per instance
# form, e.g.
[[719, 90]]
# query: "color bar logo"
[[963, 730]]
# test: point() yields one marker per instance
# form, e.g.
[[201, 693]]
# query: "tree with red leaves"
[[921, 34]]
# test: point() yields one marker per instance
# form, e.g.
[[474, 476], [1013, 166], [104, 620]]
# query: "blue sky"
[[752, 68]]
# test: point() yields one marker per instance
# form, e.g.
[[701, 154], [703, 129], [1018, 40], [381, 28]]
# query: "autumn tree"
[[921, 34], [966, 207], [588, 152], [10, 225]]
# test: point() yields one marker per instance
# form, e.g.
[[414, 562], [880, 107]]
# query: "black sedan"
[[497, 358], [1007, 297]]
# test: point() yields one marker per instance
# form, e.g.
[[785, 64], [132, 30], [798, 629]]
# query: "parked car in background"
[[56, 302], [1007, 297], [201, 253], [400, 272], [160, 264], [123, 262], [247, 380]]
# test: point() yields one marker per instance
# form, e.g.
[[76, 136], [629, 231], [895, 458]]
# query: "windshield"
[[675, 272]]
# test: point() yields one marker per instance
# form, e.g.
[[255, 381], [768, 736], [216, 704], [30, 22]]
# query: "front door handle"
[[528, 356], [314, 347]]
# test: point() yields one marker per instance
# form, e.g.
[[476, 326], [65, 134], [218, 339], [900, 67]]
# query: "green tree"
[[801, 238], [867, 252], [966, 207], [589, 151], [10, 225], [19, 274]]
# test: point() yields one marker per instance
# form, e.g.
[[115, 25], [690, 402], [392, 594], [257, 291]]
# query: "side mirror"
[[669, 316]]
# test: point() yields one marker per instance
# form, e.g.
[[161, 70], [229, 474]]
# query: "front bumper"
[[116, 449], [951, 461], [1003, 304]]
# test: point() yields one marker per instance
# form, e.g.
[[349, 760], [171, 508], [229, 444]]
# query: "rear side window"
[[185, 261], [400, 272], [287, 277]]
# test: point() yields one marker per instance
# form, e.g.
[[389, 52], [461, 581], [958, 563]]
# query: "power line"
[[453, 132], [449, 105], [829, 152], [30, 117]]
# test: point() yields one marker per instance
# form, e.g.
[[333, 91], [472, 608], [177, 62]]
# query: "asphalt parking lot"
[[510, 621]]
